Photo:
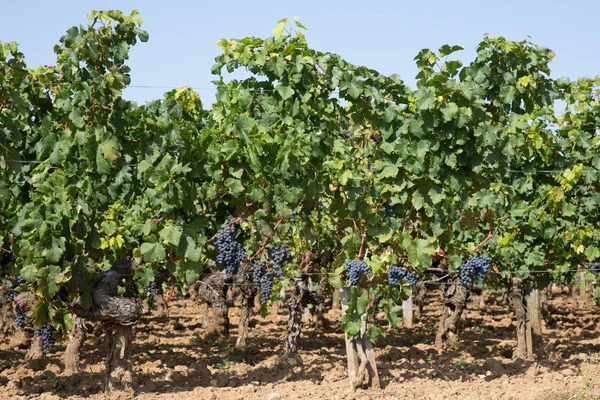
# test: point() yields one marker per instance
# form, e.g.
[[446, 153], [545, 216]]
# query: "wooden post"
[[407, 312], [360, 353]]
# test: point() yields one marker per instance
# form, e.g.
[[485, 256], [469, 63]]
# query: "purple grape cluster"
[[154, 287], [396, 273], [45, 332], [594, 268], [474, 267], [266, 285], [8, 258], [389, 210], [19, 316], [21, 280], [279, 254], [229, 252], [259, 271], [355, 270]]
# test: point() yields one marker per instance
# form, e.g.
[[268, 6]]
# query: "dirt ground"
[[173, 361]]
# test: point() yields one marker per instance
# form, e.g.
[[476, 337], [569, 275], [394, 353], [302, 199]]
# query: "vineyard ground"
[[173, 361]]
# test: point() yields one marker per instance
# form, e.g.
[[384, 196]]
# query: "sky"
[[382, 35]]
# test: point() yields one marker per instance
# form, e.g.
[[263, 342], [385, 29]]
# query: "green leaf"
[[335, 281], [361, 303], [393, 313], [351, 326], [436, 195], [109, 149], [374, 332], [51, 278], [192, 252], [170, 234], [153, 252], [446, 50], [592, 253], [389, 171], [77, 118], [285, 91]]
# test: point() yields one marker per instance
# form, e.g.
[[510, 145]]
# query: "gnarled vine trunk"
[[247, 294], [35, 351], [7, 315], [335, 300], [455, 297], [320, 320], [212, 290], [300, 298], [118, 314], [419, 300], [119, 371], [76, 339], [161, 307], [517, 299]]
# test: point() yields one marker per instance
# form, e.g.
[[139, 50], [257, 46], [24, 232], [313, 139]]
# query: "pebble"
[[274, 396]]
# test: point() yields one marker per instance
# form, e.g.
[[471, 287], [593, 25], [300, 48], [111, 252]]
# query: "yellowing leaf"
[[279, 28]]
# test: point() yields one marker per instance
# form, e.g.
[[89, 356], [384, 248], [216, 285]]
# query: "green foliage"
[[307, 149]]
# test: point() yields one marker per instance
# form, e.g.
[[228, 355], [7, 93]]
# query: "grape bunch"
[[11, 295], [19, 316], [389, 210], [259, 271], [474, 267], [356, 269], [266, 285], [8, 258], [594, 268], [154, 287], [229, 252], [21, 280], [45, 332], [396, 273], [279, 254]]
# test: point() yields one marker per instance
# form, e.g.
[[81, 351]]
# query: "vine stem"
[[488, 237], [362, 243], [238, 219], [4, 250], [262, 248]]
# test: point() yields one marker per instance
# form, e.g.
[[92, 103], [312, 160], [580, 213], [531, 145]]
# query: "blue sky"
[[384, 35]]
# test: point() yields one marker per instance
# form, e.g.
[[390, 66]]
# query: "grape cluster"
[[266, 285], [594, 268], [396, 273], [11, 295], [230, 252], [389, 210], [279, 254], [569, 275], [21, 280], [45, 332], [8, 258], [19, 316], [356, 269], [259, 271], [154, 287], [474, 267]]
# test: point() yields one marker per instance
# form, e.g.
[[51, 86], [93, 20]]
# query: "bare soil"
[[172, 360]]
